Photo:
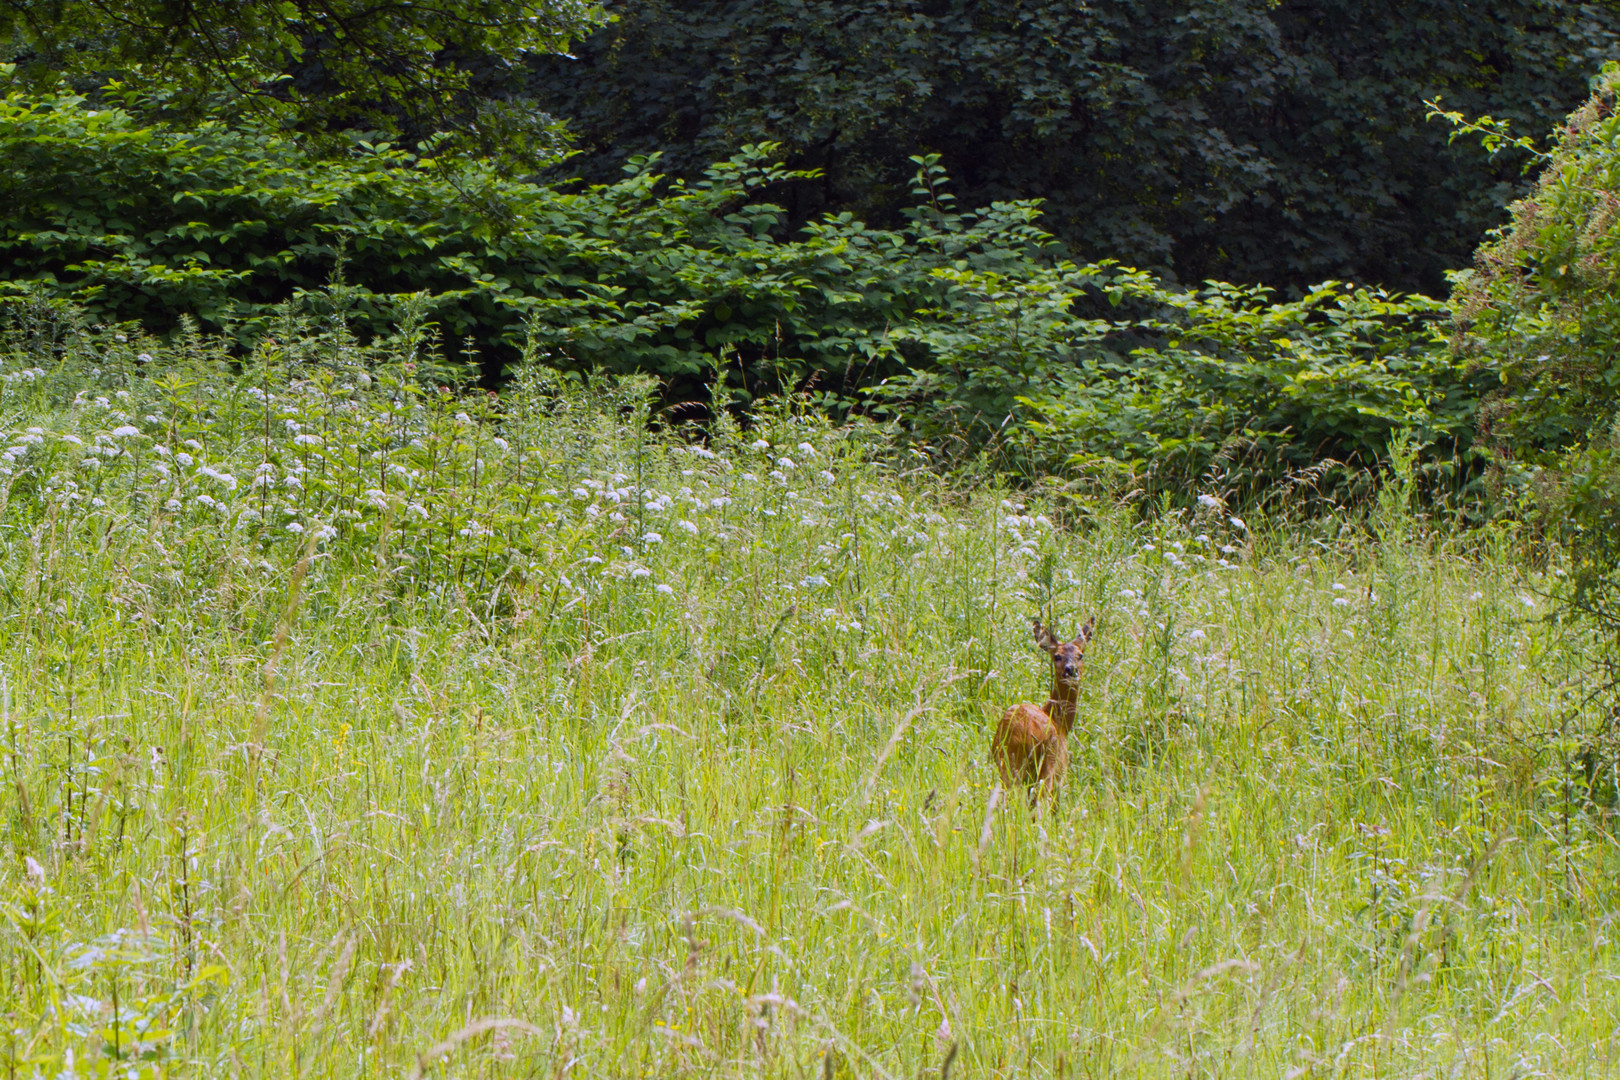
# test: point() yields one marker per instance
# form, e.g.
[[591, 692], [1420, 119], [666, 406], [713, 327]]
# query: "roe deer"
[[1031, 746]]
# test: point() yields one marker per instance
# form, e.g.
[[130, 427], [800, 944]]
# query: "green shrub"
[[1540, 312], [967, 326], [1218, 390], [135, 220]]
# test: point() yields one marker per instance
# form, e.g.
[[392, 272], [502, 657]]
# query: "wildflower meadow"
[[360, 724]]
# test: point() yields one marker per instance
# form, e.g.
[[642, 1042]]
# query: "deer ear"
[[1083, 638], [1043, 636]]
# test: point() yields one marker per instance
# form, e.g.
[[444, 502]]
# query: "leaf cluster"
[[141, 220], [1539, 311], [1222, 389]]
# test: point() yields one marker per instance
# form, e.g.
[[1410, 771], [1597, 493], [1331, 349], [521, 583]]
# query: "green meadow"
[[359, 727]]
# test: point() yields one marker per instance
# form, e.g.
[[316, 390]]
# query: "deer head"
[[1067, 656]]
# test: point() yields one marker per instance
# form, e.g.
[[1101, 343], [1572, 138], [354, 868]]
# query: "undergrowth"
[[354, 726]]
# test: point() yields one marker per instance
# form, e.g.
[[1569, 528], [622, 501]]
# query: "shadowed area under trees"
[[1247, 141]]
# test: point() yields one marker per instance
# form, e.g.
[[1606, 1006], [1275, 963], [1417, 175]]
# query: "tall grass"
[[356, 728]]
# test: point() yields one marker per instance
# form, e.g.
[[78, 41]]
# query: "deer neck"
[[1060, 706]]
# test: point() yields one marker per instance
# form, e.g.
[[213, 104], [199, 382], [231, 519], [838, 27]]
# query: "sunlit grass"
[[497, 737]]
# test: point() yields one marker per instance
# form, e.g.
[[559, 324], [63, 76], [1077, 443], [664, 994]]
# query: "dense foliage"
[[147, 221], [967, 325], [1253, 141], [420, 67], [1540, 311], [1223, 389]]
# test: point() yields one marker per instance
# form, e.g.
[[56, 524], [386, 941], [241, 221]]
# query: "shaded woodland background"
[[1277, 143]]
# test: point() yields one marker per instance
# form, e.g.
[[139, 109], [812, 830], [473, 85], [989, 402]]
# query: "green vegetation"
[[354, 726], [459, 622], [1247, 140], [967, 324], [1539, 311], [422, 69]]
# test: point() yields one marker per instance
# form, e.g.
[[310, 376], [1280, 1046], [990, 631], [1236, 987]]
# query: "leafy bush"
[[1221, 390], [966, 325], [136, 220], [1540, 311]]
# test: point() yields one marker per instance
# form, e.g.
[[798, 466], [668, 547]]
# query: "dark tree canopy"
[[419, 67], [1238, 139]]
